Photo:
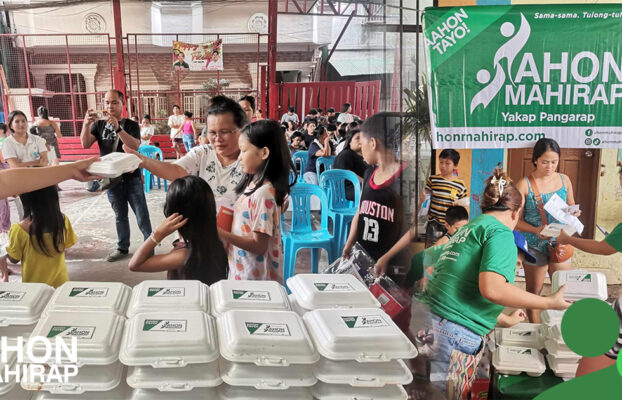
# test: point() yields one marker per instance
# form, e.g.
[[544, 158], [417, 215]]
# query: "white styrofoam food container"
[[90, 378], [552, 317], [562, 369], [268, 378], [362, 334], [313, 291], [98, 335], [169, 295], [267, 338], [90, 296], [325, 391], [195, 394], [114, 164], [227, 392], [174, 379], [555, 334], [580, 284], [511, 360], [522, 335], [6, 387], [358, 374], [228, 295], [23, 303], [560, 352], [121, 392], [169, 339]]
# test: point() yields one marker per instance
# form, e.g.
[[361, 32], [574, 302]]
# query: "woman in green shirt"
[[473, 279]]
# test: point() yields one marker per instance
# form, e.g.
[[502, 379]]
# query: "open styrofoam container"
[[562, 369], [552, 317], [98, 335], [560, 352], [23, 303], [512, 360], [121, 392], [228, 295], [269, 378], [90, 378], [169, 339], [228, 392], [174, 379], [358, 374], [325, 391], [169, 295], [580, 284], [521, 335], [313, 291], [266, 338], [114, 164], [6, 387], [91, 296], [361, 334]]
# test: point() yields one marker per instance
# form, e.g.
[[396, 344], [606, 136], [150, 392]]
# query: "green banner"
[[506, 76]]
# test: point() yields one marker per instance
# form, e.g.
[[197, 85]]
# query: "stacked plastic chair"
[[152, 152], [343, 210]]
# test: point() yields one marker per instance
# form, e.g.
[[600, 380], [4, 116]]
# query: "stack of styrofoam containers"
[[561, 359], [362, 354], [580, 284], [170, 341], [519, 349], [316, 291], [21, 306], [266, 352], [93, 313]]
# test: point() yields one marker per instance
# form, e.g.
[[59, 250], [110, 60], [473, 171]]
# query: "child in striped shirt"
[[444, 190]]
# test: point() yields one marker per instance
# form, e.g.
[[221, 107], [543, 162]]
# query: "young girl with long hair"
[[39, 241], [190, 209], [255, 251]]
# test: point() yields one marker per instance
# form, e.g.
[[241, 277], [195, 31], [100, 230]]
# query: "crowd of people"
[[465, 277]]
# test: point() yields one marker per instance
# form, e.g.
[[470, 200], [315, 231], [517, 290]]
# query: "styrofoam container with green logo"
[[91, 296], [580, 284], [521, 335], [325, 391], [562, 369], [512, 360], [23, 303], [313, 291], [90, 378], [98, 335], [195, 394], [361, 334], [174, 379], [227, 392], [268, 378], [358, 374], [266, 338], [121, 392], [8, 386], [169, 295], [228, 295], [169, 339]]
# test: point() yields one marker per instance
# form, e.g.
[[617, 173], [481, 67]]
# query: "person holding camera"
[[111, 131]]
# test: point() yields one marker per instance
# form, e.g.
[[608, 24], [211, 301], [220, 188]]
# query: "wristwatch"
[[119, 129]]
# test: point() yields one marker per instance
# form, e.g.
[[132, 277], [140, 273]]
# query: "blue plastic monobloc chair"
[[301, 157], [326, 162], [302, 235], [152, 152], [343, 210]]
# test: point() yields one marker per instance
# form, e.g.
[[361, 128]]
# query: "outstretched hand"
[[79, 169]]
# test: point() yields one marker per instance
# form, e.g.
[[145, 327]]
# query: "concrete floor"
[[92, 219]]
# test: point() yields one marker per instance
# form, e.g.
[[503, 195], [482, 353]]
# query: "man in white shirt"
[[176, 122], [217, 162]]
